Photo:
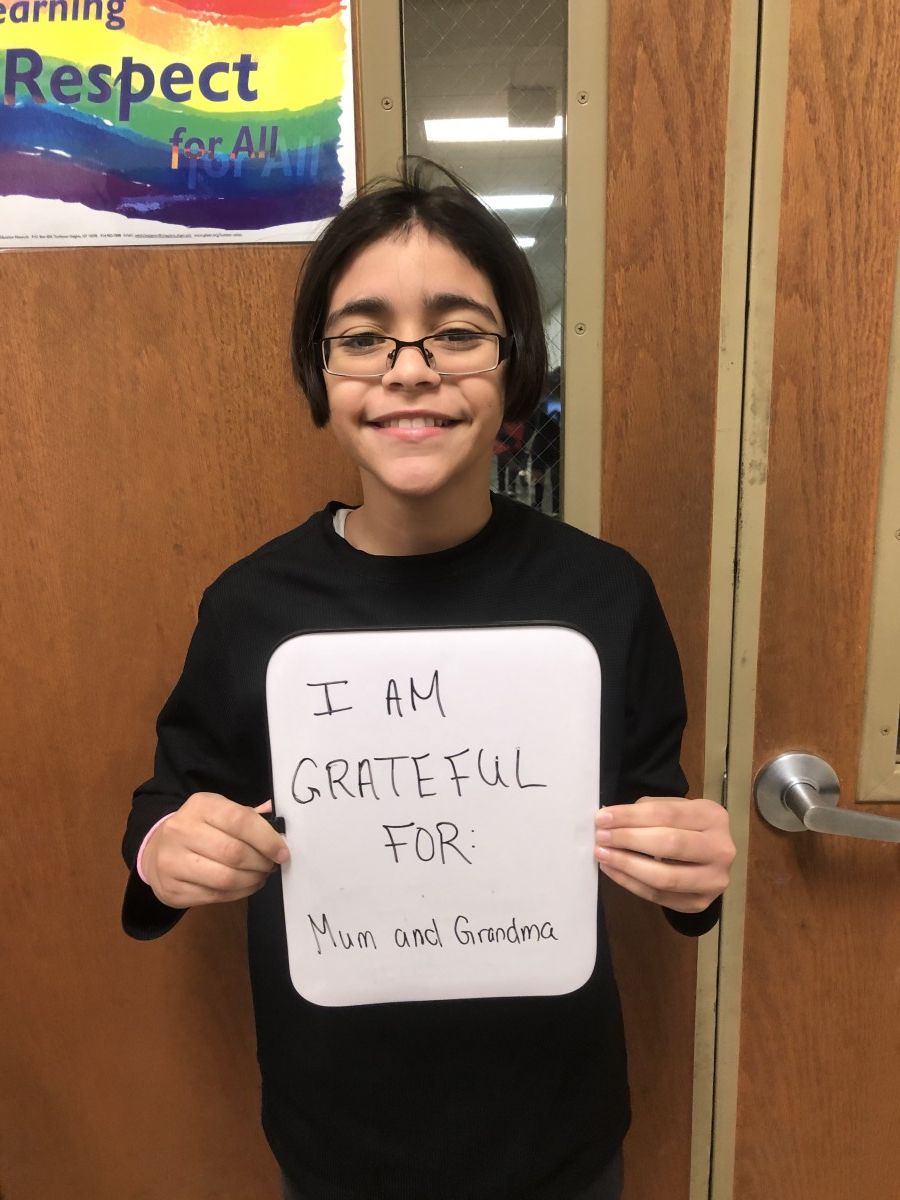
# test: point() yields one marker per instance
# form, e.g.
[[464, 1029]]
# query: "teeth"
[[415, 423]]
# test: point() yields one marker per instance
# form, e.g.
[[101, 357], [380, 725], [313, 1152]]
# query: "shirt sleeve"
[[205, 743], [655, 717]]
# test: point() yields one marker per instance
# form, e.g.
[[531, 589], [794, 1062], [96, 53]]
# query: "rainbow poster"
[[159, 121]]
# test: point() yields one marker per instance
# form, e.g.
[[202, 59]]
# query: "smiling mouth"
[[415, 423]]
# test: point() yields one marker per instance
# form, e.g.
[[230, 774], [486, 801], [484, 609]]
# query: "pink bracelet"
[[139, 864]]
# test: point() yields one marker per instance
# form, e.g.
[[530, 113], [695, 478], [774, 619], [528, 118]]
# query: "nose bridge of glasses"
[[419, 345]]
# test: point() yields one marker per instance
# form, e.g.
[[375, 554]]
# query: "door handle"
[[797, 791]]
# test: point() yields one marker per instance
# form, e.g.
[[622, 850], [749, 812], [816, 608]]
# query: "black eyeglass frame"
[[505, 343]]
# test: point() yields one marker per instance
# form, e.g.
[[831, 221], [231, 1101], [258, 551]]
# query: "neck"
[[394, 525]]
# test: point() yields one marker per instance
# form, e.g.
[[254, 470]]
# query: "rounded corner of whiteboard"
[[314, 991], [580, 976], [583, 638]]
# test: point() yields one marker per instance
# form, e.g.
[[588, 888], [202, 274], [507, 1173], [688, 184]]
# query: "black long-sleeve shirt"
[[450, 1100]]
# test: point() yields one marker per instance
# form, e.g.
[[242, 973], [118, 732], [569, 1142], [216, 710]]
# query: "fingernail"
[[604, 817], [604, 835], [602, 853], [283, 855]]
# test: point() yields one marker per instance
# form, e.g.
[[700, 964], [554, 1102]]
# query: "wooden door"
[[151, 434], [698, 356], [809, 1050], [675, 219]]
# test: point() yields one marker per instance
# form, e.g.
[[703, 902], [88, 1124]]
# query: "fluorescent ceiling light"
[[525, 242], [510, 203], [490, 129]]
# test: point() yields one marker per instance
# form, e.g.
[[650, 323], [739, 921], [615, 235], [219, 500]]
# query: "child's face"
[[422, 285]]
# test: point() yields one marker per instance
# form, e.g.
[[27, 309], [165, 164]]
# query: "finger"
[[247, 826], [190, 895], [197, 871], [680, 901], [673, 845], [670, 811], [264, 808], [659, 876], [210, 842]]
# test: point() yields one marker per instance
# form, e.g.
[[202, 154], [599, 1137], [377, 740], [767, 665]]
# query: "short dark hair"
[[450, 210]]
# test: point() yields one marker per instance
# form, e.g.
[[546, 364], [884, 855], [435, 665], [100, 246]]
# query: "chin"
[[418, 489], [420, 480], [414, 481]]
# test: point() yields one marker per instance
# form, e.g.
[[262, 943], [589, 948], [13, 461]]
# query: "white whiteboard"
[[438, 788]]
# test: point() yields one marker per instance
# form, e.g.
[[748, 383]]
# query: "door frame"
[[750, 507]]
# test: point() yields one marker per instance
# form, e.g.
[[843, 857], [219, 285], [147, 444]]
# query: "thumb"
[[283, 853]]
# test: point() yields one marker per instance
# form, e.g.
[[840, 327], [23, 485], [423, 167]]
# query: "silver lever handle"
[[800, 791]]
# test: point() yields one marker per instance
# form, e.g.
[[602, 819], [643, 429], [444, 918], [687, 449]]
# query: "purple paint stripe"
[[30, 175]]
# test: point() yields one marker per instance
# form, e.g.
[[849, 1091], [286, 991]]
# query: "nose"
[[408, 366]]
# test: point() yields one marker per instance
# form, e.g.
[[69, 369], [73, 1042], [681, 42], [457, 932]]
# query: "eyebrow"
[[436, 305], [442, 302], [364, 306]]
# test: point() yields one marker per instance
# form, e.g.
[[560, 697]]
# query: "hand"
[[675, 852], [211, 851]]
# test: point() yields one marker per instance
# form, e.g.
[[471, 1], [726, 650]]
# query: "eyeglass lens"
[[458, 352]]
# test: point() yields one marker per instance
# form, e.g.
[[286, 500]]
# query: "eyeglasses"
[[456, 352]]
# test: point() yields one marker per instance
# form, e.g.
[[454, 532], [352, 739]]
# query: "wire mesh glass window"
[[485, 96]]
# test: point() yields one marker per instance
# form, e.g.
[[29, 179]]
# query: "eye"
[[360, 343], [459, 339]]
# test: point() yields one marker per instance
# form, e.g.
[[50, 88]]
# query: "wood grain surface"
[[668, 91], [820, 1043], [151, 435]]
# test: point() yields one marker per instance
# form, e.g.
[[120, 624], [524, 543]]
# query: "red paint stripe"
[[259, 12]]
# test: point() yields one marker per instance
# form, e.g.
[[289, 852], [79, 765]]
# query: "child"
[[417, 331]]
